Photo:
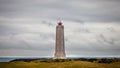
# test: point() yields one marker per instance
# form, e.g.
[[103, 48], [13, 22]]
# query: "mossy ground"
[[67, 64]]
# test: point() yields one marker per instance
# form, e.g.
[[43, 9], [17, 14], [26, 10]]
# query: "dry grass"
[[69, 64]]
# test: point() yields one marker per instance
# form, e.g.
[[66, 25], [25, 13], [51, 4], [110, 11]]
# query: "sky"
[[92, 27]]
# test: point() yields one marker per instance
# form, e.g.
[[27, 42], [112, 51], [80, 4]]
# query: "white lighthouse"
[[59, 46]]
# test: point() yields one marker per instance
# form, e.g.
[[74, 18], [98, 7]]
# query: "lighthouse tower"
[[59, 46]]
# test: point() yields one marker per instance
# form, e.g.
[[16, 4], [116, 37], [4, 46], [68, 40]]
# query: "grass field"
[[68, 64]]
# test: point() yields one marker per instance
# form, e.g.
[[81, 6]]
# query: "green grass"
[[68, 64]]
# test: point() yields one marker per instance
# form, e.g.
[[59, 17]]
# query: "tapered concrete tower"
[[59, 48]]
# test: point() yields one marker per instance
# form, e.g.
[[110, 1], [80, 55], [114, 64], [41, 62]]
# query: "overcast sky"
[[92, 27]]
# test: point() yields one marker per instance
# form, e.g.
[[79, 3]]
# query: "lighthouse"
[[59, 45]]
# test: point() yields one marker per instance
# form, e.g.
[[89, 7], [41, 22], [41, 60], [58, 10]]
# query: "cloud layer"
[[27, 28]]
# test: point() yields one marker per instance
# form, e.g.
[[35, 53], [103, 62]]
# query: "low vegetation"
[[69, 63]]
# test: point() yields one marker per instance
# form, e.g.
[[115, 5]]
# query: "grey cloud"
[[111, 29], [93, 10], [73, 20], [47, 36], [92, 52], [30, 25], [23, 44], [39, 41], [109, 41], [12, 37], [48, 23], [83, 30]]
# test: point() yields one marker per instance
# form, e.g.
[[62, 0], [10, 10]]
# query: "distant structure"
[[59, 47]]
